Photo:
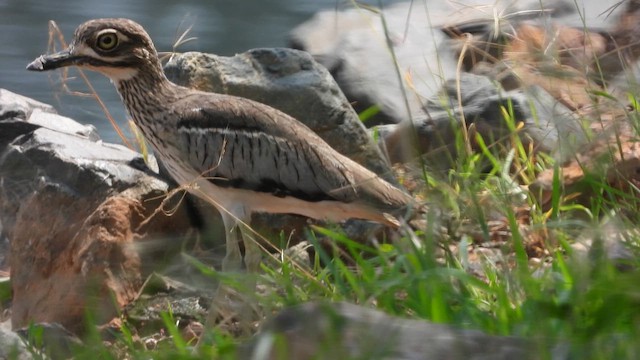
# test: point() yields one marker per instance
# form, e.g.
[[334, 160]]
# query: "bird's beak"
[[54, 61]]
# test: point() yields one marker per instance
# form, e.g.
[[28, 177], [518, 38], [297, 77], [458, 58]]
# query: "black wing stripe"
[[247, 162]]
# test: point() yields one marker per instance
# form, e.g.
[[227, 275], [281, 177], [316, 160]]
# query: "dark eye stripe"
[[97, 62]]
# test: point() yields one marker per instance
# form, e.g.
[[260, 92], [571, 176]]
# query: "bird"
[[238, 154]]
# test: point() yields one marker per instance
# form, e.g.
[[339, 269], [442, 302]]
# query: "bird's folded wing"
[[257, 148]]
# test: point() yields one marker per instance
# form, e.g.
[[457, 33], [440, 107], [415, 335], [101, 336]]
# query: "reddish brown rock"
[[57, 267], [77, 263], [76, 212]]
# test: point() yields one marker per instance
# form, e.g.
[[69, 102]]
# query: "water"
[[224, 27]]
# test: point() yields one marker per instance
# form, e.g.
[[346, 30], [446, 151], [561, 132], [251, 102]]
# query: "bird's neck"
[[147, 94]]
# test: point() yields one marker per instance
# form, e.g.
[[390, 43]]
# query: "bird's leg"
[[232, 261], [227, 301], [252, 257], [252, 251]]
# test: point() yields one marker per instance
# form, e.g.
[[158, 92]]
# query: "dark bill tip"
[[53, 61]]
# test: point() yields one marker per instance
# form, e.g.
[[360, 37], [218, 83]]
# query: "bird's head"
[[118, 48]]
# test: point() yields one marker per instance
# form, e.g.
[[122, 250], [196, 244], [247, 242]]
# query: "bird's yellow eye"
[[107, 41]]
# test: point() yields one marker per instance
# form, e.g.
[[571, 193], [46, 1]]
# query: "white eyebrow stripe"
[[120, 35]]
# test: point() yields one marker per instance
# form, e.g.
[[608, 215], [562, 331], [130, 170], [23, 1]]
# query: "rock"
[[4, 259], [290, 81], [64, 163], [52, 340], [611, 159], [11, 345], [354, 45], [599, 49], [548, 124], [62, 124], [161, 295], [351, 44], [552, 127], [609, 240], [17, 106], [77, 213], [346, 331]]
